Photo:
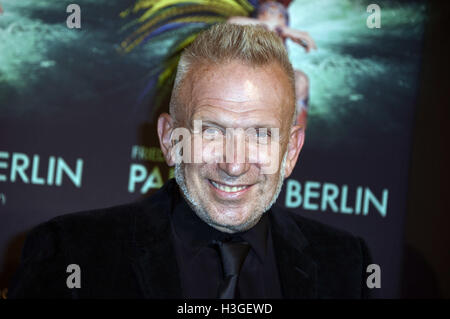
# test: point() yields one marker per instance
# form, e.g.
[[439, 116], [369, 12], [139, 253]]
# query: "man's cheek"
[[212, 151], [269, 158], [190, 175]]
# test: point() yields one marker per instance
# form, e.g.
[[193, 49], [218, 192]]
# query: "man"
[[212, 233]]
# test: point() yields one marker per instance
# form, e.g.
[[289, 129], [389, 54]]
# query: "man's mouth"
[[229, 188]]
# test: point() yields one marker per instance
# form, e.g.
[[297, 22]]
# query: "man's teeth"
[[228, 189]]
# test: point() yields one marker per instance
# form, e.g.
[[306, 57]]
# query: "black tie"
[[233, 255]]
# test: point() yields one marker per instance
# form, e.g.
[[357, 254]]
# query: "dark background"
[[426, 264], [422, 260]]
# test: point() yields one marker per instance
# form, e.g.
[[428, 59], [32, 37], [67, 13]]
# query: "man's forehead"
[[238, 90], [237, 74], [223, 115]]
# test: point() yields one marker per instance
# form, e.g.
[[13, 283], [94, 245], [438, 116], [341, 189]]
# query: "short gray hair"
[[222, 43]]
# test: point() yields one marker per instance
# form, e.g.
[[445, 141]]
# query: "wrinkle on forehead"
[[240, 91], [236, 117]]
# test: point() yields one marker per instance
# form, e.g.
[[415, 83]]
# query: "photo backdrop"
[[78, 110]]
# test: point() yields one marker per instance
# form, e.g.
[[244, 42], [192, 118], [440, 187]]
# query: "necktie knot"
[[233, 255]]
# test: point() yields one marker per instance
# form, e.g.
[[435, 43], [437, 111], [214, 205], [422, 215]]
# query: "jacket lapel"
[[157, 272], [297, 271], [152, 253]]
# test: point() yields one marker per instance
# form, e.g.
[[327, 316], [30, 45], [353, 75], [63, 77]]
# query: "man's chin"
[[232, 221]]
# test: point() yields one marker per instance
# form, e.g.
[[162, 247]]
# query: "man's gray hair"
[[222, 43]]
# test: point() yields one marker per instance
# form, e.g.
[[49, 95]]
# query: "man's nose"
[[235, 150], [234, 169]]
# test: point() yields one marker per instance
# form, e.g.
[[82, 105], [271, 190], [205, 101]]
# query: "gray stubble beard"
[[202, 212]]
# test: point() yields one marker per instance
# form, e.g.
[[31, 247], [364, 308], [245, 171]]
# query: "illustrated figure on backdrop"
[[214, 231], [273, 16], [170, 19]]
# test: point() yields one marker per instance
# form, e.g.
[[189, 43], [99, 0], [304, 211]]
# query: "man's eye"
[[262, 133], [211, 132]]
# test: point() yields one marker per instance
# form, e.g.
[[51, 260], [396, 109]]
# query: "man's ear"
[[165, 129], [295, 144]]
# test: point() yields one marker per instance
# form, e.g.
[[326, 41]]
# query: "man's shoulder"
[[313, 228], [101, 241], [339, 257], [119, 222], [323, 237]]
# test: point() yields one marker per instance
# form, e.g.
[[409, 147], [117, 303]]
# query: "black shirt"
[[200, 265]]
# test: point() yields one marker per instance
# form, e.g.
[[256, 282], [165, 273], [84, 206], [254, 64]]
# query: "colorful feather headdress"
[[181, 19]]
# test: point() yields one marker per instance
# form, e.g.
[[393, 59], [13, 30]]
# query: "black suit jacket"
[[127, 252]]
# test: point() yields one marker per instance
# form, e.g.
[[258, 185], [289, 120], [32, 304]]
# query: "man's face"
[[232, 196]]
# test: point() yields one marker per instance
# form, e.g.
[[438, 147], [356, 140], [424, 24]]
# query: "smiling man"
[[225, 95], [213, 232]]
